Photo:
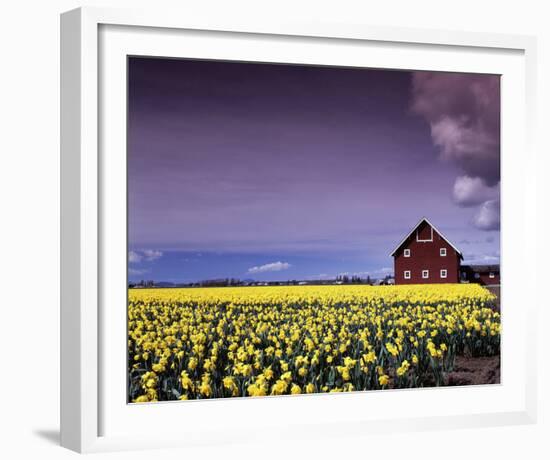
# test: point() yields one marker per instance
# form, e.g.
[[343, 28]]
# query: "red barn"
[[426, 256]]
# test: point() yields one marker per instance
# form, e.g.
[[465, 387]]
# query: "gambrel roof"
[[431, 225]]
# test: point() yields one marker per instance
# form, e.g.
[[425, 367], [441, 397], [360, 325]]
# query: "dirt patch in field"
[[474, 371], [496, 291]]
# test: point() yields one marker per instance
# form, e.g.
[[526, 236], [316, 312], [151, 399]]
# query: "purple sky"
[[275, 171]]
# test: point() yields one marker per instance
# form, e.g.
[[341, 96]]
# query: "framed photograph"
[[269, 219]]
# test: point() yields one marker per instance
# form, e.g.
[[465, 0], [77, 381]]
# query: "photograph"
[[299, 229]]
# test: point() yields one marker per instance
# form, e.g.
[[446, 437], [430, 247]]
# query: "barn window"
[[443, 273], [491, 275], [443, 252], [407, 253], [407, 274], [476, 276], [425, 274]]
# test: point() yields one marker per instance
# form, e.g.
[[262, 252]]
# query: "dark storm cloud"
[[463, 111]]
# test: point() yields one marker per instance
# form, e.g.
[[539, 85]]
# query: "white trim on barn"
[[433, 228], [428, 240]]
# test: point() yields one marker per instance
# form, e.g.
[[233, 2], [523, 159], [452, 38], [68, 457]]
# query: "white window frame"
[[429, 240], [443, 273], [406, 252], [443, 252], [407, 274], [425, 274]]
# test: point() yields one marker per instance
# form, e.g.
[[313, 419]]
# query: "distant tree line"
[[227, 282], [143, 284], [223, 282], [354, 279]]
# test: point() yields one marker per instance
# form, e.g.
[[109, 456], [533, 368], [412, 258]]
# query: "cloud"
[[488, 239], [488, 216], [148, 255], [472, 191], [134, 257], [272, 267], [370, 272], [320, 276], [135, 271], [463, 111], [377, 273], [151, 254], [490, 258]]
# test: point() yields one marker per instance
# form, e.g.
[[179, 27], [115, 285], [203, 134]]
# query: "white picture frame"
[[94, 40]]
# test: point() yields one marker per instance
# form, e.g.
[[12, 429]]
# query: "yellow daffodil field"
[[196, 343]]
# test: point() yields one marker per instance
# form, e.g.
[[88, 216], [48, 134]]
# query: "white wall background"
[[29, 223]]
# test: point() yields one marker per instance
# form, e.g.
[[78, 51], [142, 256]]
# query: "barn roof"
[[431, 225]]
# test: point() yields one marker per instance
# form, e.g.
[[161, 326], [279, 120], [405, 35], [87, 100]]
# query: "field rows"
[[257, 341]]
